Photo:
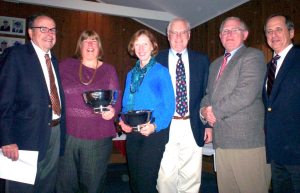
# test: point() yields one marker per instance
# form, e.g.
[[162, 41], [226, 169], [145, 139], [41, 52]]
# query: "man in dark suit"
[[29, 118], [17, 28], [181, 165], [233, 107], [5, 26], [281, 96]]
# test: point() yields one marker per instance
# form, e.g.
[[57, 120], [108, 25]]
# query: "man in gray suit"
[[233, 107]]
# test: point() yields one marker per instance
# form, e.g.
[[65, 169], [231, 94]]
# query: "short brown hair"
[[138, 34], [85, 35]]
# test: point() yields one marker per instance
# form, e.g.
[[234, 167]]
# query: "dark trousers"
[[285, 178], [2, 183], [144, 155], [46, 170], [84, 165]]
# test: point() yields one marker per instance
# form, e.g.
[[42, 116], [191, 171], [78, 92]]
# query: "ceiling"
[[153, 13]]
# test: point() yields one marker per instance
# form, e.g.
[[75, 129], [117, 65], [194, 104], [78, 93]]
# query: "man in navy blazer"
[[27, 119], [282, 106], [181, 165]]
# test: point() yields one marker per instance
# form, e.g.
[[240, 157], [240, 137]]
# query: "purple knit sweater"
[[81, 121]]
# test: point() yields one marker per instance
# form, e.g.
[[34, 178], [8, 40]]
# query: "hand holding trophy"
[[99, 100], [136, 118]]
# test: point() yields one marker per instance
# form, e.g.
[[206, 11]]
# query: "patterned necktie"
[[53, 90], [181, 91], [226, 56], [271, 73]]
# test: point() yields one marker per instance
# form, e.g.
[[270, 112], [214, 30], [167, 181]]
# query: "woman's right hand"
[[125, 128]]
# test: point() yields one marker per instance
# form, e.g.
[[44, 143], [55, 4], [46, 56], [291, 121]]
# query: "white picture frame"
[[12, 25], [6, 42]]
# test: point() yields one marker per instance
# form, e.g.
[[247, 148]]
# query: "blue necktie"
[[181, 90]]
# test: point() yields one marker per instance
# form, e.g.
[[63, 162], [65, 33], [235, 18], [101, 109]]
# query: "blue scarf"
[[137, 77]]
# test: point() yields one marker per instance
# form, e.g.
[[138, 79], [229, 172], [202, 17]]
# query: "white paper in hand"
[[23, 170]]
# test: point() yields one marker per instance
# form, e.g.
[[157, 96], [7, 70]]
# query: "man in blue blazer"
[[282, 106], [181, 165], [28, 120]]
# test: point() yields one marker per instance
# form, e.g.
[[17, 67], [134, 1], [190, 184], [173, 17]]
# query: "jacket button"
[[269, 109], [49, 106]]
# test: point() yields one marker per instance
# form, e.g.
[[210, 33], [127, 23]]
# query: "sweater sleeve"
[[165, 110]]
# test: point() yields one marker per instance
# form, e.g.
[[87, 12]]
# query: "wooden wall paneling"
[[116, 32], [254, 13], [214, 44], [67, 35]]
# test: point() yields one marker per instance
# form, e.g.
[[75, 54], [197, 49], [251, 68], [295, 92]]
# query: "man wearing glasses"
[[32, 115], [234, 109], [282, 105], [181, 166]]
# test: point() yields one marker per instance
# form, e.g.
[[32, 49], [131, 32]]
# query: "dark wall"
[[206, 36], [115, 32]]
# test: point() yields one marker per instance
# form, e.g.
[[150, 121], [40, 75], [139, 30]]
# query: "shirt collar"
[[39, 51], [184, 52], [284, 52]]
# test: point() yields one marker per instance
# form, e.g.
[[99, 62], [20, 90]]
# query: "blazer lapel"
[[285, 67], [36, 66], [225, 76], [264, 89]]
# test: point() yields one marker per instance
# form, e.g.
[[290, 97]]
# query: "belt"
[[181, 118], [54, 122]]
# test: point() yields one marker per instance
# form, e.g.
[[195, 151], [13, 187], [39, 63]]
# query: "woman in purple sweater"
[[89, 135]]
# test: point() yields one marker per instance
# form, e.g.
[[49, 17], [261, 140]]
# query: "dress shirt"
[[282, 55], [41, 55], [173, 59]]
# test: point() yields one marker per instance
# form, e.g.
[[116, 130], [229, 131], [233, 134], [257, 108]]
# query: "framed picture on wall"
[[6, 42], [12, 25]]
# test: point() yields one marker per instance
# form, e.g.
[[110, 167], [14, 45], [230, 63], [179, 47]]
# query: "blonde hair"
[[85, 35]]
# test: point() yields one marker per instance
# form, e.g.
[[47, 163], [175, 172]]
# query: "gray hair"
[[187, 23], [243, 25]]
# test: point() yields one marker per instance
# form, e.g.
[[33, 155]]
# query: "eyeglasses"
[[178, 33], [46, 30], [233, 31], [277, 30]]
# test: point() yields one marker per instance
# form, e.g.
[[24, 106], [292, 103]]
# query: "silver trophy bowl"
[[136, 118], [98, 100]]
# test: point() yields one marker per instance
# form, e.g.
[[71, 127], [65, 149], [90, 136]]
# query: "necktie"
[[271, 73], [181, 91], [226, 56], [53, 90]]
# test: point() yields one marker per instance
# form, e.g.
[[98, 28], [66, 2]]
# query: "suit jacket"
[[282, 112], [25, 106], [199, 64], [236, 100]]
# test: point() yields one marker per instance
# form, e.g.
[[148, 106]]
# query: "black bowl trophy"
[[136, 118], [100, 99]]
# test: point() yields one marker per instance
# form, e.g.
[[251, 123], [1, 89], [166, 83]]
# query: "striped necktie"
[[53, 89], [226, 56], [271, 73]]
